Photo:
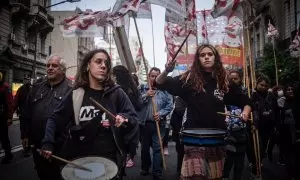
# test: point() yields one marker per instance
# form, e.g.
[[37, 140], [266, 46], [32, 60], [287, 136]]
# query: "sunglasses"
[[208, 53]]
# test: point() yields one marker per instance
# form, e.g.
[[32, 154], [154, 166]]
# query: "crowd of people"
[[57, 117]]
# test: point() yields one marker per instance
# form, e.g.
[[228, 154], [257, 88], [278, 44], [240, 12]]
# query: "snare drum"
[[203, 137], [102, 169]]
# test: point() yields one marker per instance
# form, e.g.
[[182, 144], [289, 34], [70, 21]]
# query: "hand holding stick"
[[65, 161], [119, 119]]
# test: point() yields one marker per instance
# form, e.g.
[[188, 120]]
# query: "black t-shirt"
[[104, 143]]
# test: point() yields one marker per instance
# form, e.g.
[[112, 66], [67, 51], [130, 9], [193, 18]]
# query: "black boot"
[[7, 158]]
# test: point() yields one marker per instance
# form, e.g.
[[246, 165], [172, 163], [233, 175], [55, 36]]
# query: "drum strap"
[[77, 98]]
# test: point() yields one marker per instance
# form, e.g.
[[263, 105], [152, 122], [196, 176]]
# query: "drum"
[[203, 137], [101, 169]]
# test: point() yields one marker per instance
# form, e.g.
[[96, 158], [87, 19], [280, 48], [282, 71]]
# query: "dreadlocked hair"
[[194, 77]]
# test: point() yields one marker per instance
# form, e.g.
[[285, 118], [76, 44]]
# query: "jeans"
[[150, 139]]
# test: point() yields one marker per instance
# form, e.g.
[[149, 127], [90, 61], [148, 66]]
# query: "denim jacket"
[[163, 102]]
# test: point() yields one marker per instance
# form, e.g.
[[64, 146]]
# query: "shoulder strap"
[[77, 97]]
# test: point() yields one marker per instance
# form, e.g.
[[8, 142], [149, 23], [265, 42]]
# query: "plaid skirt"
[[203, 163]]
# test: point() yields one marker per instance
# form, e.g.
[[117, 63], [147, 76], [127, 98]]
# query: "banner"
[[178, 6], [176, 30], [225, 33], [86, 24], [91, 24], [144, 11]]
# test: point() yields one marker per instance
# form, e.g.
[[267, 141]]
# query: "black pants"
[[265, 130], [46, 170], [180, 155], [235, 159], [288, 147], [4, 139], [166, 138]]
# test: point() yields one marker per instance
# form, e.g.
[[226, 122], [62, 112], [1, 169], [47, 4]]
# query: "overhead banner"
[[178, 6], [225, 33]]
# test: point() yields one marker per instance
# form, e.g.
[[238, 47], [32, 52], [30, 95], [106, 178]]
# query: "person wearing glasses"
[[206, 90]]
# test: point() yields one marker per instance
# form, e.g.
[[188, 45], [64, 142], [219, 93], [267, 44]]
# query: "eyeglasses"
[[208, 53]]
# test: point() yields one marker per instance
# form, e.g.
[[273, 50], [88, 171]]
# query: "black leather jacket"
[[41, 102]]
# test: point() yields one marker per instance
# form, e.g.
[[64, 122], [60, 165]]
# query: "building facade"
[[72, 49], [283, 14], [25, 27]]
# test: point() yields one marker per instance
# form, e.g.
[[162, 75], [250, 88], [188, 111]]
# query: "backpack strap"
[[77, 97]]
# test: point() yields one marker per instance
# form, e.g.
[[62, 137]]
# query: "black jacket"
[[202, 107], [41, 102], [115, 100]]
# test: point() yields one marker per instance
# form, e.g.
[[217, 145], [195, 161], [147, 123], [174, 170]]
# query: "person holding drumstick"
[[89, 130], [206, 90]]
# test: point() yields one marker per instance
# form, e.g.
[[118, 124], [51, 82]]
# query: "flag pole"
[[152, 99], [252, 75], [275, 60], [153, 39]]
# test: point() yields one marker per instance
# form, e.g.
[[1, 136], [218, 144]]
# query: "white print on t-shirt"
[[219, 94], [88, 112]]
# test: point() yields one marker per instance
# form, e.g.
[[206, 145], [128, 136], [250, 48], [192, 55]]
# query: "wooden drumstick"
[[99, 106], [231, 115], [68, 162]]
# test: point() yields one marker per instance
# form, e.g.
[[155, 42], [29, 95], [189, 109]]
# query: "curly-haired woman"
[[206, 91]]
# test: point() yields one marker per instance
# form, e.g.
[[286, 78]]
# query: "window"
[[43, 42]]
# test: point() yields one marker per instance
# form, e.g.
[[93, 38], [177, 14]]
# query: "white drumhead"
[[102, 169]]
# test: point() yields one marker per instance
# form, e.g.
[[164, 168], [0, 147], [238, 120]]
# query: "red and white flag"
[[225, 7], [295, 45], [272, 31], [85, 24]]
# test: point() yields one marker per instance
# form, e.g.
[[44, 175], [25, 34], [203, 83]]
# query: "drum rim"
[[92, 156], [203, 135]]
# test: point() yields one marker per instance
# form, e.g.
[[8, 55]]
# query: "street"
[[23, 168]]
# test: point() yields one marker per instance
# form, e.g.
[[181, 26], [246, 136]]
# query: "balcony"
[[40, 19], [19, 8]]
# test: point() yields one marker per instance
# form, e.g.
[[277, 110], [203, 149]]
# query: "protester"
[[78, 117], [288, 130], [41, 102], [6, 115], [176, 124], [264, 109], [19, 106], [126, 81], [164, 105], [237, 136], [205, 89]]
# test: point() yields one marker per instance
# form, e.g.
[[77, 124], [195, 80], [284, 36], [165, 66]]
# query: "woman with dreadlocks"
[[126, 81], [206, 91]]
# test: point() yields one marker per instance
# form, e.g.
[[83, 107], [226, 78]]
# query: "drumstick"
[[231, 115], [99, 106], [68, 162]]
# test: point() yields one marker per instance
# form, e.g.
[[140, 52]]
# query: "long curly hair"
[[194, 77], [126, 81], [82, 76]]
